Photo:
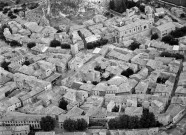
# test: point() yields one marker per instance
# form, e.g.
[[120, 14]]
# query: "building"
[[132, 29], [14, 130], [164, 29], [21, 119]]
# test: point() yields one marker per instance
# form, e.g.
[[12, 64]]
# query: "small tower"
[[74, 49]]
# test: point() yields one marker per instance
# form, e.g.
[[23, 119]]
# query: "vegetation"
[[17, 1], [118, 6], [31, 45], [5, 65], [15, 44], [134, 46], [2, 5], [47, 123], [147, 120], [63, 104], [170, 40], [55, 43], [172, 55], [127, 72], [27, 63], [75, 125], [99, 43], [154, 36], [65, 46]]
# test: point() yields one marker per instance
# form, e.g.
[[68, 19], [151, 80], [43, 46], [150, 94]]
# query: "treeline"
[[147, 120], [121, 5], [171, 39], [75, 125], [98, 43], [172, 55]]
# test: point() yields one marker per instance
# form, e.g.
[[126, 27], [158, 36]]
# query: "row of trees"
[[147, 120], [98, 43], [170, 40], [56, 43], [172, 37], [75, 125], [172, 55]]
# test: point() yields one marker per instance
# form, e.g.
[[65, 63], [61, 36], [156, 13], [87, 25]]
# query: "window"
[[145, 27]]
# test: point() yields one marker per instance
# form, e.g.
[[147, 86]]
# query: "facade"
[[132, 29], [14, 130]]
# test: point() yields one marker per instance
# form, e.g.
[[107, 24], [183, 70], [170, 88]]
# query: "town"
[[92, 67]]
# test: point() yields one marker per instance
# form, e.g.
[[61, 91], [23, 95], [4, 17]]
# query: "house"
[[134, 111], [39, 49], [48, 32], [99, 89], [142, 87], [163, 90], [164, 119], [163, 29], [87, 87], [12, 103], [5, 76], [54, 78], [178, 100], [176, 112], [180, 91]]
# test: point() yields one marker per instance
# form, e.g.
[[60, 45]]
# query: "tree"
[[13, 17], [31, 45], [133, 122], [15, 44], [103, 41], [134, 46], [31, 133], [70, 125], [55, 43], [112, 5], [177, 33], [5, 65], [123, 121], [47, 123], [115, 109], [63, 104], [81, 124], [18, 1], [154, 36], [182, 15], [27, 63], [113, 124], [65, 46], [170, 40], [127, 72], [2, 5]]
